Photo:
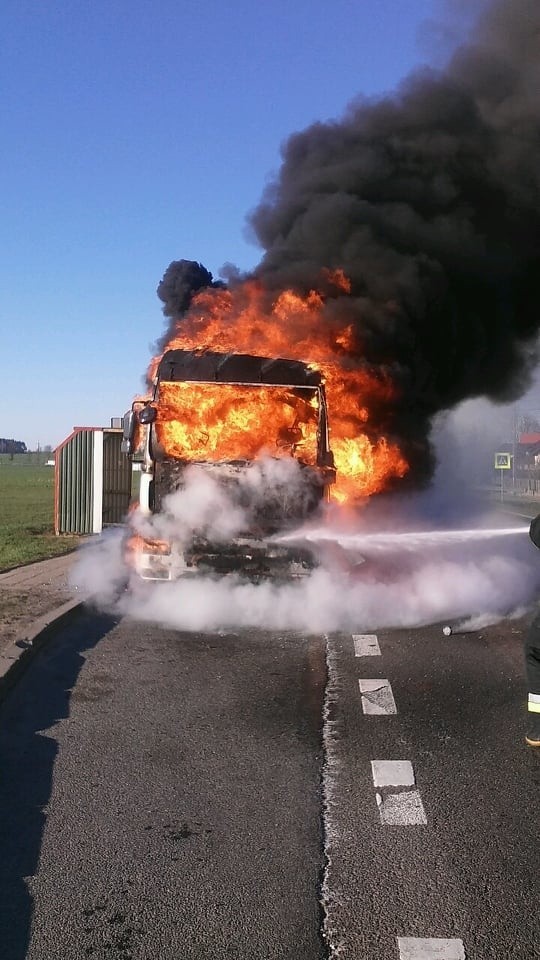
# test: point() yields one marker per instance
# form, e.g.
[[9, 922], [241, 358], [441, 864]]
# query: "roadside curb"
[[15, 658]]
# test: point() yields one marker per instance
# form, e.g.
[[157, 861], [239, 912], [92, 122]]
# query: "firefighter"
[[532, 660]]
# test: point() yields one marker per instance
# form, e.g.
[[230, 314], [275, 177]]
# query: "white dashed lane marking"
[[392, 773], [377, 697], [416, 948], [366, 645], [399, 804], [398, 798], [401, 809]]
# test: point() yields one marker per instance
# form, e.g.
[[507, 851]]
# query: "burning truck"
[[224, 414]]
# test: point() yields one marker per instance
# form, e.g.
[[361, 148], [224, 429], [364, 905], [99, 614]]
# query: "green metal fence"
[[92, 481]]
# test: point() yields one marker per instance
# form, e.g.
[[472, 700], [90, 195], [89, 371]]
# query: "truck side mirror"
[[148, 414], [128, 431]]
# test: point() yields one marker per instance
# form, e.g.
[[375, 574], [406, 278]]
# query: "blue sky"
[[139, 133]]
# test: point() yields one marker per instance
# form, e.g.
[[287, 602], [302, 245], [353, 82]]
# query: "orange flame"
[[135, 545], [250, 319], [205, 421]]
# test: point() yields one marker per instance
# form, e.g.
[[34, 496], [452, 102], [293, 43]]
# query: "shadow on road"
[[27, 756]]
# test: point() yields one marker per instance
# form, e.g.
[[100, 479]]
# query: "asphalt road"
[[162, 792], [450, 853], [169, 795]]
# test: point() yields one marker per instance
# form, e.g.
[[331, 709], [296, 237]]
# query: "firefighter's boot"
[[533, 713]]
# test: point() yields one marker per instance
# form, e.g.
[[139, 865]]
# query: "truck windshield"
[[230, 421]]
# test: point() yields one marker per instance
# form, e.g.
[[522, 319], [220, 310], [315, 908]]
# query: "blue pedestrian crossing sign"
[[503, 461]]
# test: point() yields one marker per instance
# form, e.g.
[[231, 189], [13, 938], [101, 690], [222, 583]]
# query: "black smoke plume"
[[429, 200], [181, 281]]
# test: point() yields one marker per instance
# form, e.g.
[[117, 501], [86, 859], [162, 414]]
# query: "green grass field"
[[27, 511]]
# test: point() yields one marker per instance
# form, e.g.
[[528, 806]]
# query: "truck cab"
[[223, 413]]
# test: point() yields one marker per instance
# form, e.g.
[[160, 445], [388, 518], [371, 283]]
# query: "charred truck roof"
[[210, 367]]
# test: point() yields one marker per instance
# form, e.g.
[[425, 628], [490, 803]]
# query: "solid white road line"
[[366, 645], [377, 697], [416, 948], [401, 806]]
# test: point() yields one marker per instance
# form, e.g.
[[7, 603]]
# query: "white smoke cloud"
[[219, 501], [99, 572], [325, 601], [201, 508], [365, 579]]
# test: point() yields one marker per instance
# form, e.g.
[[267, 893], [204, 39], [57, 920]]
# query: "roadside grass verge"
[[27, 511]]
